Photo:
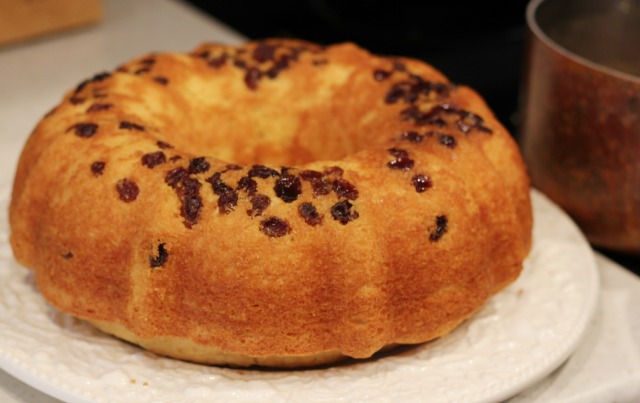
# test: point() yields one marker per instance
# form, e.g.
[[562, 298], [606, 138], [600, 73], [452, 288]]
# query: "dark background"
[[476, 43]]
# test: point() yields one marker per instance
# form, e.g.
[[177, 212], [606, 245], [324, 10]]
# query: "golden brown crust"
[[139, 205]]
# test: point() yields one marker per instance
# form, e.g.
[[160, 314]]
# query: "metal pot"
[[580, 114]]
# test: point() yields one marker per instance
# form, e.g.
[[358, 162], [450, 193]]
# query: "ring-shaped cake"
[[277, 203]]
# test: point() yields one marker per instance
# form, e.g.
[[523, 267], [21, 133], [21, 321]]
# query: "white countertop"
[[35, 74]]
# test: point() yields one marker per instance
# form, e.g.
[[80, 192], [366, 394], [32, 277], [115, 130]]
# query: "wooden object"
[[26, 19]]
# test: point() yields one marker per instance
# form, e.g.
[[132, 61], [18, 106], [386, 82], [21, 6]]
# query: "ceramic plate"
[[519, 337]]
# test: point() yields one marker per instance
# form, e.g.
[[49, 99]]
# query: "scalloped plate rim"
[[527, 376]]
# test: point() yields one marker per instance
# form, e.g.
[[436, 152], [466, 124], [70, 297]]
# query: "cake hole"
[[267, 120]]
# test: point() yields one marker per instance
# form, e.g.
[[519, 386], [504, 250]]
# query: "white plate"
[[519, 337]]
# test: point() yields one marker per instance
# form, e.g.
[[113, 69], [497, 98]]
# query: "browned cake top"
[[277, 198]]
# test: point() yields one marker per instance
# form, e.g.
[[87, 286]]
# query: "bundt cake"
[[277, 203]]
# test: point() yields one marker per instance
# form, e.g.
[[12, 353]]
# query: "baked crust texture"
[[277, 203]]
